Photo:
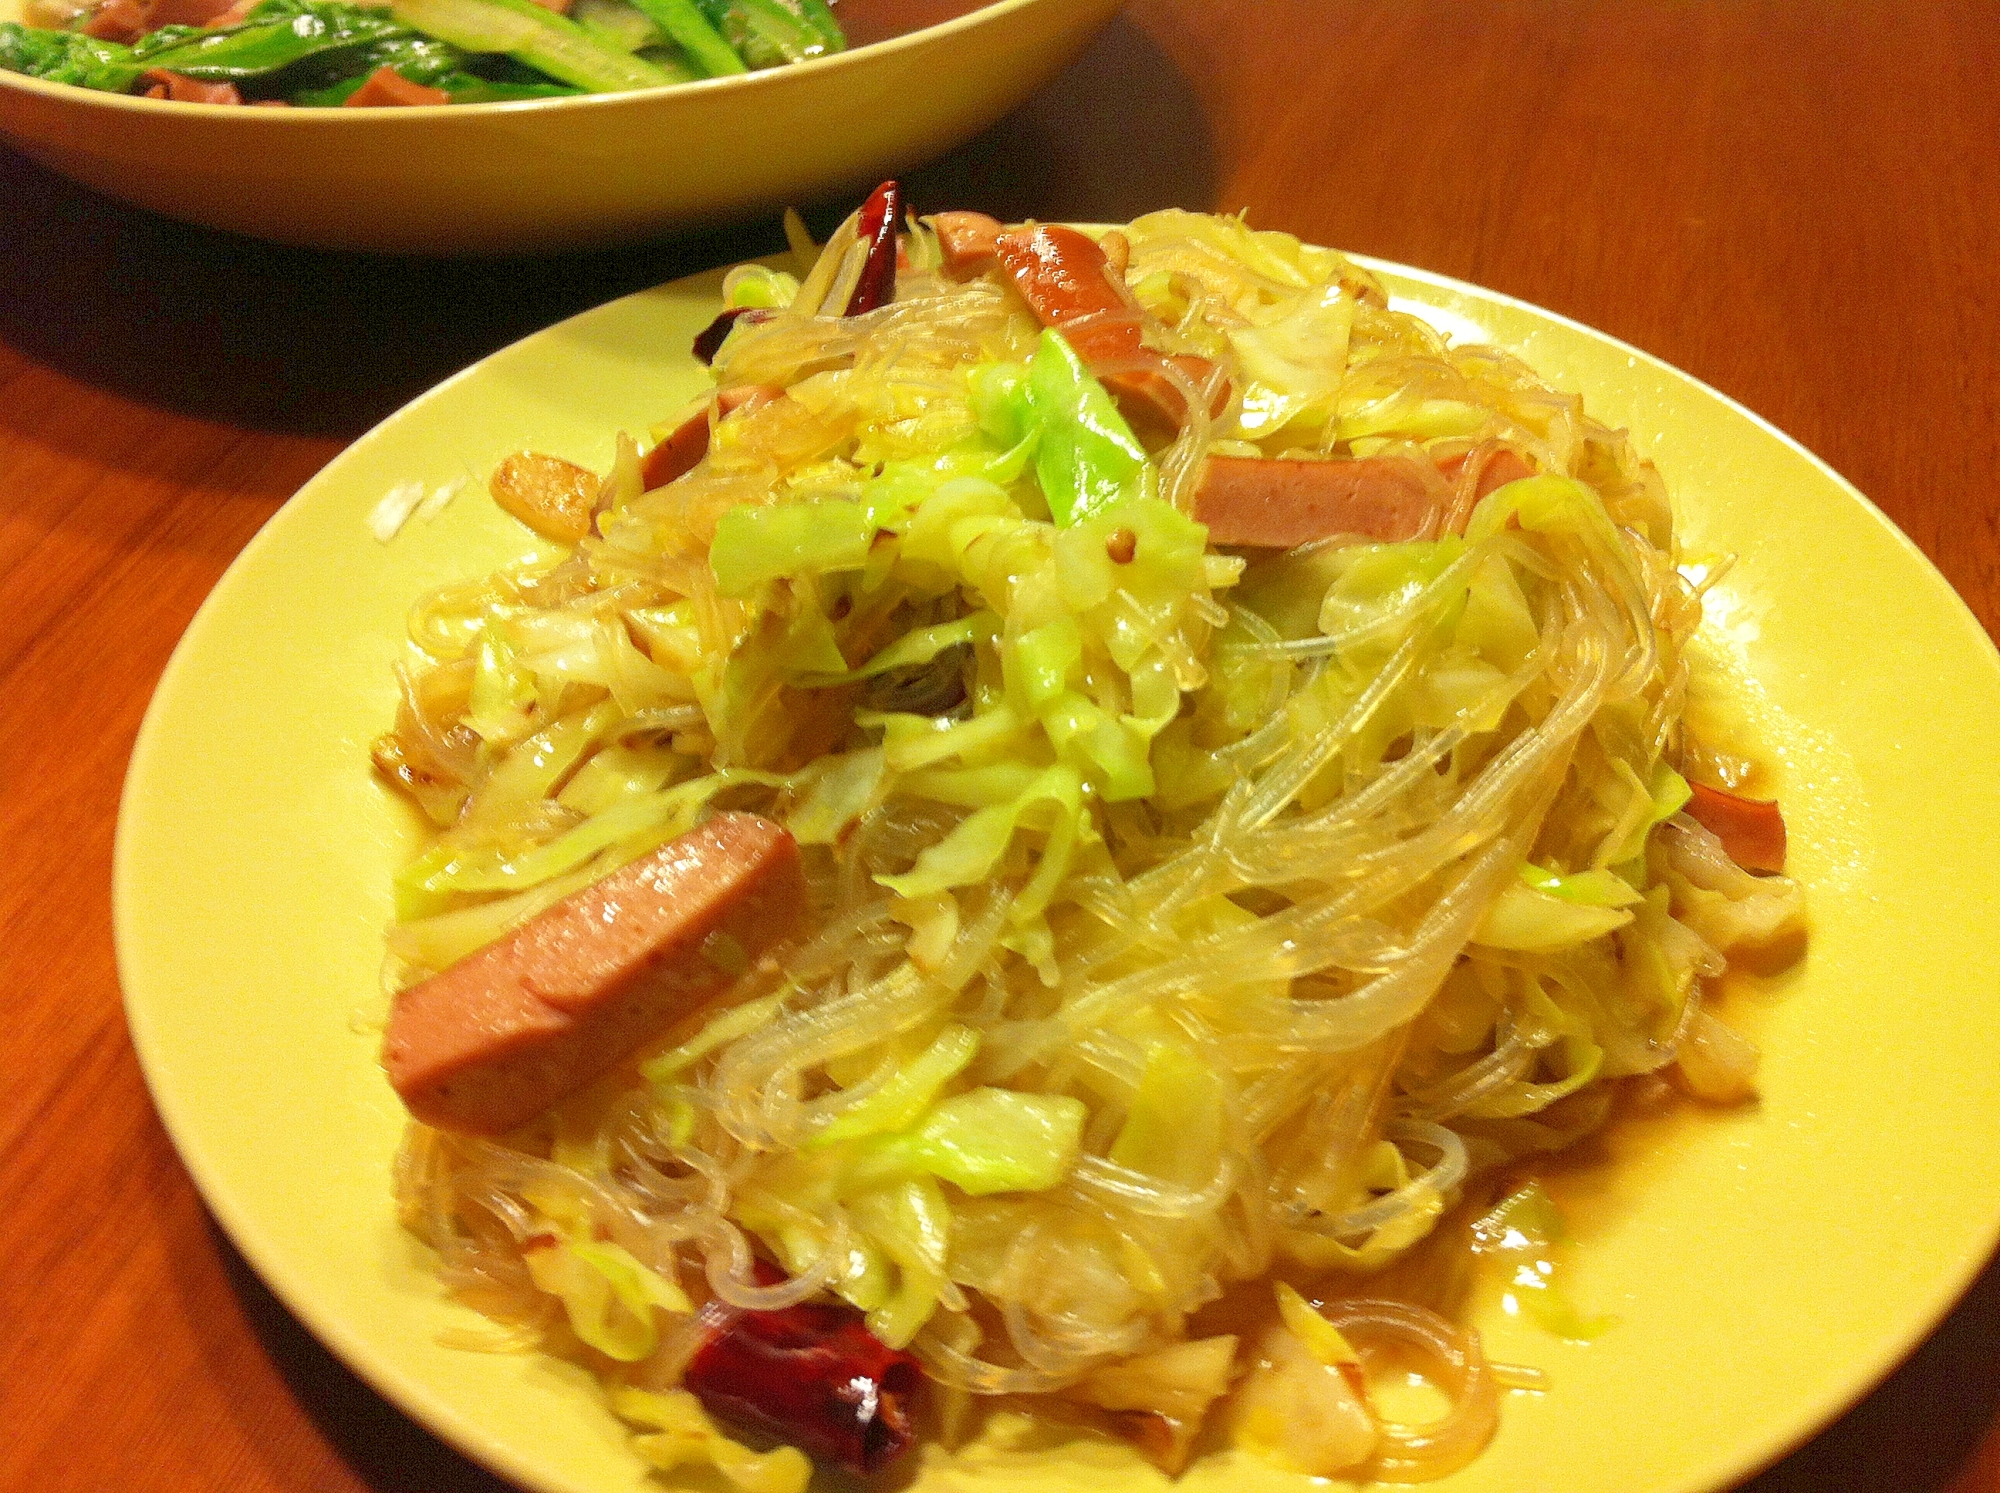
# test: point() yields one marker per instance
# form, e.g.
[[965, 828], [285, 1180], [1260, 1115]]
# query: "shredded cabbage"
[[679, 1434], [1186, 922]]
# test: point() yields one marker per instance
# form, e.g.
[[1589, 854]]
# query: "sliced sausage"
[[236, 15], [122, 21], [555, 498], [683, 450], [1752, 830], [387, 88], [1073, 285], [966, 241], [497, 1038], [1500, 468], [189, 12], [1150, 400], [1064, 276], [1272, 504], [185, 90]]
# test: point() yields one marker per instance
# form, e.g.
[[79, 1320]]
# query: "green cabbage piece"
[[724, 1028], [1294, 362], [621, 771], [1382, 1170], [1052, 802], [913, 648], [983, 1141], [1585, 888], [629, 828], [1045, 661], [608, 1295], [437, 940], [1547, 504], [561, 648], [1526, 1236], [1525, 918], [841, 788], [1174, 1127], [997, 1140], [910, 1089], [1419, 420], [999, 395], [910, 1222], [521, 778], [503, 699], [1088, 458], [756, 545], [682, 1435]]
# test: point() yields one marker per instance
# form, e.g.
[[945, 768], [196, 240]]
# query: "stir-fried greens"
[[1187, 921], [323, 53]]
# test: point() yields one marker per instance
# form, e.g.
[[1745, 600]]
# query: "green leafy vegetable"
[[908, 1091], [276, 36], [263, 47], [617, 24], [1089, 457], [820, 16], [68, 57], [683, 21], [551, 43], [316, 53], [1526, 1235], [755, 545], [765, 33], [984, 1141]]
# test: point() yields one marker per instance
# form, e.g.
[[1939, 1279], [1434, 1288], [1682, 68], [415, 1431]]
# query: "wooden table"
[[1795, 203]]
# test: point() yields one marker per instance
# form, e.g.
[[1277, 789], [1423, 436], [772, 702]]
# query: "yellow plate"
[[553, 173], [1766, 1265]]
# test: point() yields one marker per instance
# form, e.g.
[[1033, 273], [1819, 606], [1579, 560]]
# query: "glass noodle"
[[1287, 898]]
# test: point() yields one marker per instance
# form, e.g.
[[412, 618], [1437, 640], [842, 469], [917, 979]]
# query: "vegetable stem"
[[711, 56], [541, 38], [819, 15]]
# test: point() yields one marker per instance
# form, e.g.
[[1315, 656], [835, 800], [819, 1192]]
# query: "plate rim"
[[413, 1396]]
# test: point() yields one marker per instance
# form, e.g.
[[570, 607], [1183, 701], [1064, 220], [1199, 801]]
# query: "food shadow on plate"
[[218, 327], [384, 1448]]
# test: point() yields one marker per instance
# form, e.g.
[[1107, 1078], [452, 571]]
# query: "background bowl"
[[555, 173]]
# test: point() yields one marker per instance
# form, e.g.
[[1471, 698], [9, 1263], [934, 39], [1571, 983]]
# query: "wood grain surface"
[[1794, 202]]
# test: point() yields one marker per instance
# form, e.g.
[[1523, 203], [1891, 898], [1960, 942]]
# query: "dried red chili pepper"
[[708, 341], [812, 1376], [879, 216]]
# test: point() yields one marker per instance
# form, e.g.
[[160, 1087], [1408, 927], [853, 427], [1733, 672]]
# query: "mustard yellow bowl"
[[553, 173]]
